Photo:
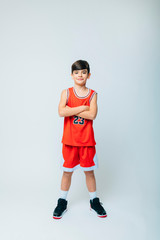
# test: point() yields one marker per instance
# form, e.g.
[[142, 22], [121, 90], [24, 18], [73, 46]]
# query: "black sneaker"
[[97, 208], [60, 209]]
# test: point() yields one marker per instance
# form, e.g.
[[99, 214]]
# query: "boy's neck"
[[80, 88]]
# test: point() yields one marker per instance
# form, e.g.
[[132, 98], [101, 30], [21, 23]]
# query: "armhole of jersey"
[[92, 96], [67, 95]]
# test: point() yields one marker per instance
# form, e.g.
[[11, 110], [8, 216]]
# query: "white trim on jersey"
[[74, 90], [67, 95], [92, 96]]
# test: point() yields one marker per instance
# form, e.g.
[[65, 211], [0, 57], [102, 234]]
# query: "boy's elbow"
[[94, 116], [93, 113], [60, 112], [60, 115], [63, 112]]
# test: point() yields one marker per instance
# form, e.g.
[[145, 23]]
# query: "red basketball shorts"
[[74, 157]]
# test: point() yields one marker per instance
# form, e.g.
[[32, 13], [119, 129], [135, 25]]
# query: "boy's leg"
[[69, 163], [90, 181], [61, 207], [95, 204], [66, 181]]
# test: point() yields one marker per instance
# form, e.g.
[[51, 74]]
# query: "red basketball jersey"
[[78, 131]]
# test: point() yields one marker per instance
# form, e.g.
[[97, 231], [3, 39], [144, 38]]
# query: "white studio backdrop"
[[39, 42]]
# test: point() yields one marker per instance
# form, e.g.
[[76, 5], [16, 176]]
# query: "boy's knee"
[[89, 173], [67, 174]]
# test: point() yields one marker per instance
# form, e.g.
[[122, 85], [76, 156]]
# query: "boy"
[[78, 106]]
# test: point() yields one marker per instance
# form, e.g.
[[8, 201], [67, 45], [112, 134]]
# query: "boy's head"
[[79, 65], [80, 72]]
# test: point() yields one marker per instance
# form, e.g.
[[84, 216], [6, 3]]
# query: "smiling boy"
[[78, 106]]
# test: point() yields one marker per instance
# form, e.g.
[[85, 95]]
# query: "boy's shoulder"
[[65, 92], [65, 89]]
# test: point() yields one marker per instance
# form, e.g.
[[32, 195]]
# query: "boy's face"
[[80, 76]]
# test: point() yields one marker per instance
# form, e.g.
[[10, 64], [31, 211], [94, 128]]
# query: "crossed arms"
[[87, 112]]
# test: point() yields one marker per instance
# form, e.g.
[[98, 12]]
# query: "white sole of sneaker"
[[60, 216], [93, 211]]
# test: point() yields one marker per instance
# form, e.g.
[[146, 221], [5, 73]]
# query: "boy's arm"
[[92, 113], [65, 111]]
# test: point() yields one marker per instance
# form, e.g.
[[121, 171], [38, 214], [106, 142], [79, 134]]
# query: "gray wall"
[[39, 42]]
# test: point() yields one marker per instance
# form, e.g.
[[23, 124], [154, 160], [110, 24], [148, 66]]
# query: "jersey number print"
[[78, 120]]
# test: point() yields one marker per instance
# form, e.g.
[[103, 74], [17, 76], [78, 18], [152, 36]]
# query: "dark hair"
[[79, 65]]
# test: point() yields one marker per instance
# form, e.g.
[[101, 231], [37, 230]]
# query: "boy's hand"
[[85, 108]]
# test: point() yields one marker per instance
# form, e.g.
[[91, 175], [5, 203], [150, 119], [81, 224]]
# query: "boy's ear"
[[89, 74]]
